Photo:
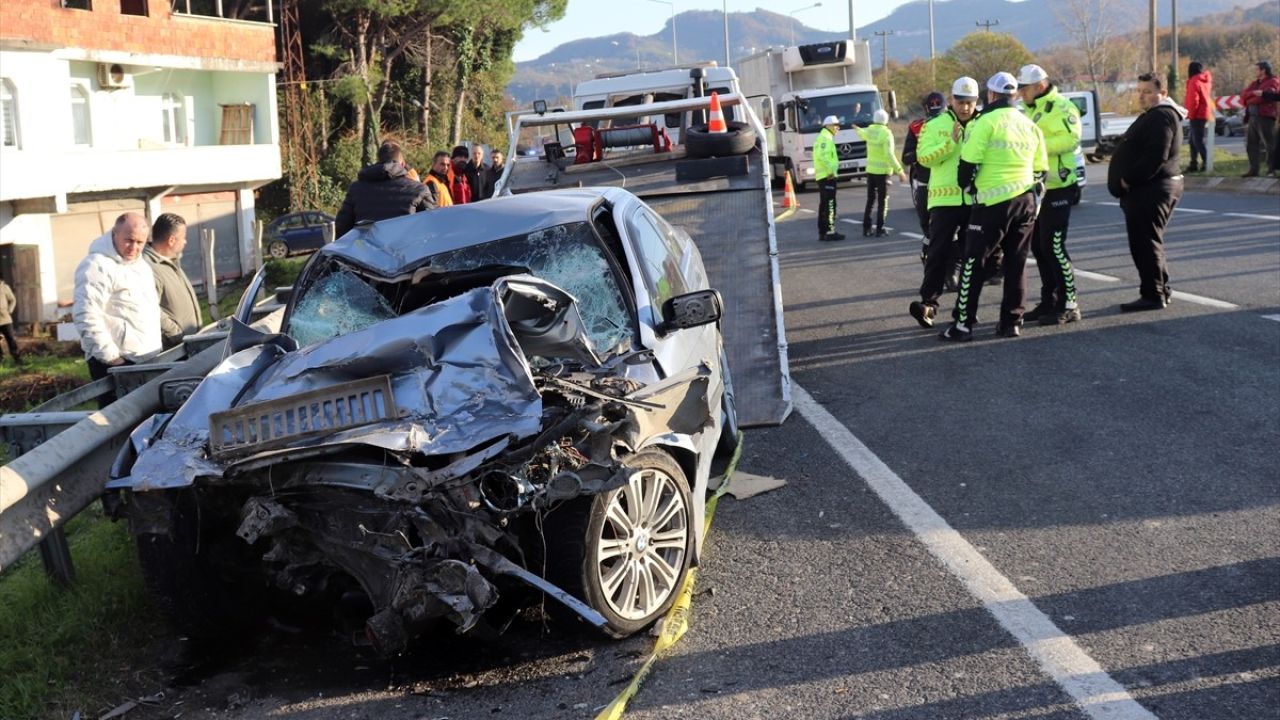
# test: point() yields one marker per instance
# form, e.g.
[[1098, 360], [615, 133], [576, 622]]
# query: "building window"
[[174, 120], [133, 7], [8, 113], [81, 131], [77, 4]]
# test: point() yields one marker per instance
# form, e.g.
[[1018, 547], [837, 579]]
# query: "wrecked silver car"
[[525, 397]]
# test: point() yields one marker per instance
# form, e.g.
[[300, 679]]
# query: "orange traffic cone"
[[716, 122], [788, 193]]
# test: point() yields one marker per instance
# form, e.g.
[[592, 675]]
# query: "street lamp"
[[675, 51], [792, 14]]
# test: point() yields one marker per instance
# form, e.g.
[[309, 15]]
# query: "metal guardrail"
[[64, 455]]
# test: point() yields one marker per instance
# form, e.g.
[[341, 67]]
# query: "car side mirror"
[[701, 307], [243, 337]]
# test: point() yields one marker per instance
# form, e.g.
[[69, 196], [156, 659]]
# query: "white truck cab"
[[796, 87]]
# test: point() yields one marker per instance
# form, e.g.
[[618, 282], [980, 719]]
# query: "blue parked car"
[[299, 232]]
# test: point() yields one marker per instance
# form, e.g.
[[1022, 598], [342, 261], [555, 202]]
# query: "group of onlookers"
[[390, 187], [1261, 104], [132, 298]]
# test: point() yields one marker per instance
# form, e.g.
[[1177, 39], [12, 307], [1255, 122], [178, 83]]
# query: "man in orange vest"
[[437, 180]]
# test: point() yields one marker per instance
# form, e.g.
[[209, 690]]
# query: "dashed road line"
[[1078, 674], [1202, 300], [1271, 317], [1083, 273], [917, 236], [1193, 210], [1252, 216]]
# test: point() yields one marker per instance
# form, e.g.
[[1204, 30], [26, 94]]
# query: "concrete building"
[[114, 105]]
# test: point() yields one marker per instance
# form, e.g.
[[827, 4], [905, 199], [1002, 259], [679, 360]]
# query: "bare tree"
[[1092, 24]]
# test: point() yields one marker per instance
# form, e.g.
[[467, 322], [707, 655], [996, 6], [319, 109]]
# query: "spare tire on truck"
[[699, 143]]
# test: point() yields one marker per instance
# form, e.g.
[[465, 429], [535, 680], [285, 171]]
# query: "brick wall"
[[104, 28]]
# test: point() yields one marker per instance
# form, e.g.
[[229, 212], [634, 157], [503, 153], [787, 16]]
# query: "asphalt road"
[[1084, 522]]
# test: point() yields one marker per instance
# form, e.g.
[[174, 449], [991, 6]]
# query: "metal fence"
[[63, 455]]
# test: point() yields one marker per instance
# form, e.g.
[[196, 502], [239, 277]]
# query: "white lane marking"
[[1082, 273], [1252, 216], [806, 210], [1202, 300], [1093, 690], [1271, 317], [917, 236], [1193, 210], [1095, 276], [1110, 204]]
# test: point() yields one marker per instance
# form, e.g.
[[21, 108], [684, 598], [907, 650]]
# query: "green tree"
[[983, 54]]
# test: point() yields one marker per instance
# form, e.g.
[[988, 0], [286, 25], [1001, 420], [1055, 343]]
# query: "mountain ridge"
[[701, 33]]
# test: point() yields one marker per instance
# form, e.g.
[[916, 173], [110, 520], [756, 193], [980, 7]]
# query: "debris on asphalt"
[[745, 485]]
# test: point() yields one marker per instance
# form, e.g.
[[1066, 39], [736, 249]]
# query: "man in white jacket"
[[117, 310]]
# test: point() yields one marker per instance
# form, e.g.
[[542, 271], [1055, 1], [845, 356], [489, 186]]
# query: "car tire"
[[599, 548], [278, 249], [699, 143], [196, 572]]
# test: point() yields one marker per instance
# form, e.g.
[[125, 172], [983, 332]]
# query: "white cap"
[[880, 117], [1031, 75], [1003, 83], [831, 120], [964, 87]]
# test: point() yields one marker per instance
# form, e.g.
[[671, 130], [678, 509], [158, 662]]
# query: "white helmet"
[[1031, 75], [965, 88], [880, 117], [831, 120]]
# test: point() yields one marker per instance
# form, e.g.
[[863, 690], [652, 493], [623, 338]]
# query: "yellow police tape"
[[676, 621]]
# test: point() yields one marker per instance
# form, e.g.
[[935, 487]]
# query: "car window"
[[569, 256], [336, 304], [659, 258], [289, 222]]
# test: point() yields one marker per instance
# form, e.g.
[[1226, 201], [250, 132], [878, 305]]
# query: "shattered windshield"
[[568, 256], [334, 305]]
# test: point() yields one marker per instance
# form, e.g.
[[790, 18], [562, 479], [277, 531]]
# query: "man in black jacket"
[[382, 190], [1144, 175]]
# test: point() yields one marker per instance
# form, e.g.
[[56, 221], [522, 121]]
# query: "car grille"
[[271, 424], [851, 151]]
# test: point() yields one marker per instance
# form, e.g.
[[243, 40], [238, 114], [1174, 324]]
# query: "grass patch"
[[1227, 164], [85, 648]]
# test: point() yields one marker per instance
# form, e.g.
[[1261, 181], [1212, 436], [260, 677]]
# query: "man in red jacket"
[[1260, 116], [1199, 103]]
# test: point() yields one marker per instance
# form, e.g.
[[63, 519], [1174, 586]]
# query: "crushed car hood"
[[458, 371]]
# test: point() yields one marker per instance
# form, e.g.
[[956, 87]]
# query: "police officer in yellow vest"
[[881, 163], [1059, 120], [939, 151], [1002, 163], [826, 164]]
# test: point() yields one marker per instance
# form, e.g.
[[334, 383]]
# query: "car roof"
[[401, 244]]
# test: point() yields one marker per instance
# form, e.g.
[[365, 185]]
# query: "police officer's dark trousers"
[[877, 189], [920, 198], [1147, 209], [1049, 245], [944, 222], [826, 207], [1008, 226]]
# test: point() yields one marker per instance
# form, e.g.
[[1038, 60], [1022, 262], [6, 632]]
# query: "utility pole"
[[853, 31], [724, 10], [1151, 33], [1174, 72], [884, 62], [988, 24], [933, 65]]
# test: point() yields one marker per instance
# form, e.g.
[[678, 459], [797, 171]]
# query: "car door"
[[665, 263]]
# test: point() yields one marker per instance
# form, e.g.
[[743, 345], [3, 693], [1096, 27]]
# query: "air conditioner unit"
[[111, 76]]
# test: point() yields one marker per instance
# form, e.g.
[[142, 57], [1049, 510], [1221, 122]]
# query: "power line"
[[987, 24]]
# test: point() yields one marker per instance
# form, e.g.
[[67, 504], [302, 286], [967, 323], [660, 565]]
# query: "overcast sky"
[[588, 18]]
